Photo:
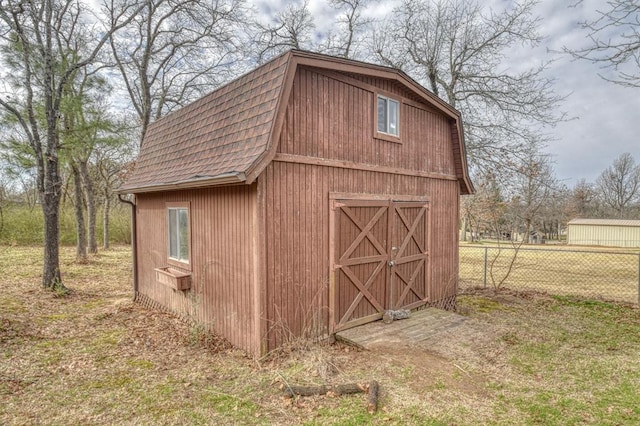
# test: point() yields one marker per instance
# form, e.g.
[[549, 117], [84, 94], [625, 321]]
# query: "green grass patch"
[[573, 363], [348, 411], [141, 364], [13, 305], [481, 304], [224, 403], [114, 382], [63, 316]]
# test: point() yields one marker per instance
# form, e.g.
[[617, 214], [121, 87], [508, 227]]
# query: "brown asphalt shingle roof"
[[224, 132], [224, 137]]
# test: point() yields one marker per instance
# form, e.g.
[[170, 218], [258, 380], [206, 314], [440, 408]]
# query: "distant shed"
[[307, 196], [604, 232]]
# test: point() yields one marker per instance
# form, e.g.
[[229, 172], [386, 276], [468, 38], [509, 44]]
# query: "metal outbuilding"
[[604, 232], [303, 198]]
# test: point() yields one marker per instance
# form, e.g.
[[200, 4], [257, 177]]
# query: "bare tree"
[[174, 51], [619, 185], [292, 28], [85, 115], [532, 188], [458, 49], [467, 207], [582, 201], [295, 28], [553, 213], [485, 211], [112, 162], [4, 185], [31, 34], [78, 201], [614, 41], [351, 28], [492, 214]]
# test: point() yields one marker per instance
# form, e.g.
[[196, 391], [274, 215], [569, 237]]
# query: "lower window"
[[178, 229]]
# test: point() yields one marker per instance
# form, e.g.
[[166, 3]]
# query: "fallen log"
[[350, 388], [371, 389]]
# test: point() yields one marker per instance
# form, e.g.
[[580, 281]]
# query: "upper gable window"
[[388, 116]]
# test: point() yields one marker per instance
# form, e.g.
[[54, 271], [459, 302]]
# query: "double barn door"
[[379, 258]]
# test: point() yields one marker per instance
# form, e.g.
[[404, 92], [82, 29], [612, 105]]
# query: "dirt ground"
[[103, 346], [95, 357]]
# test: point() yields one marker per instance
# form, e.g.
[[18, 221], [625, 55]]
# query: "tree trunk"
[[91, 206], [527, 230], [51, 270], [464, 228], [49, 182], [105, 221], [50, 194], [81, 235]]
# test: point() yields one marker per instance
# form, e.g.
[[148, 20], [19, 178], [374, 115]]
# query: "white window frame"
[[387, 123], [182, 259]]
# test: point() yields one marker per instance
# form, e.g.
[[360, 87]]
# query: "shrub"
[[22, 225]]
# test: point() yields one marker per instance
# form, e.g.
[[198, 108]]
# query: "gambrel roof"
[[231, 134]]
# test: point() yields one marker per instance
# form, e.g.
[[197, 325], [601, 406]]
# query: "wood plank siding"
[[223, 234], [332, 119]]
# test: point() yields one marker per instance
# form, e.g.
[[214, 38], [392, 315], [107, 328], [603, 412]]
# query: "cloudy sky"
[[606, 117]]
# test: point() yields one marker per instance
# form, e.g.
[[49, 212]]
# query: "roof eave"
[[198, 182], [254, 170], [466, 185]]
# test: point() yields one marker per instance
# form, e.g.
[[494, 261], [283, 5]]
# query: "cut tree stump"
[[371, 389]]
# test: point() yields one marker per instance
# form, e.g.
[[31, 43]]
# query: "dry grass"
[[610, 274], [94, 357]]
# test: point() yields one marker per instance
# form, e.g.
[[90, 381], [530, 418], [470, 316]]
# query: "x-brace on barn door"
[[379, 258]]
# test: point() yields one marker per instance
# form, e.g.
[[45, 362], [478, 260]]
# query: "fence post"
[[638, 278], [486, 257]]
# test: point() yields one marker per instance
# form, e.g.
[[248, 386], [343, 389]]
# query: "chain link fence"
[[610, 275]]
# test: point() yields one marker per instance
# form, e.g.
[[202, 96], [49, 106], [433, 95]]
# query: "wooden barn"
[[305, 197]]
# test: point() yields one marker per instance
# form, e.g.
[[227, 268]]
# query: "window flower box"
[[173, 278]]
